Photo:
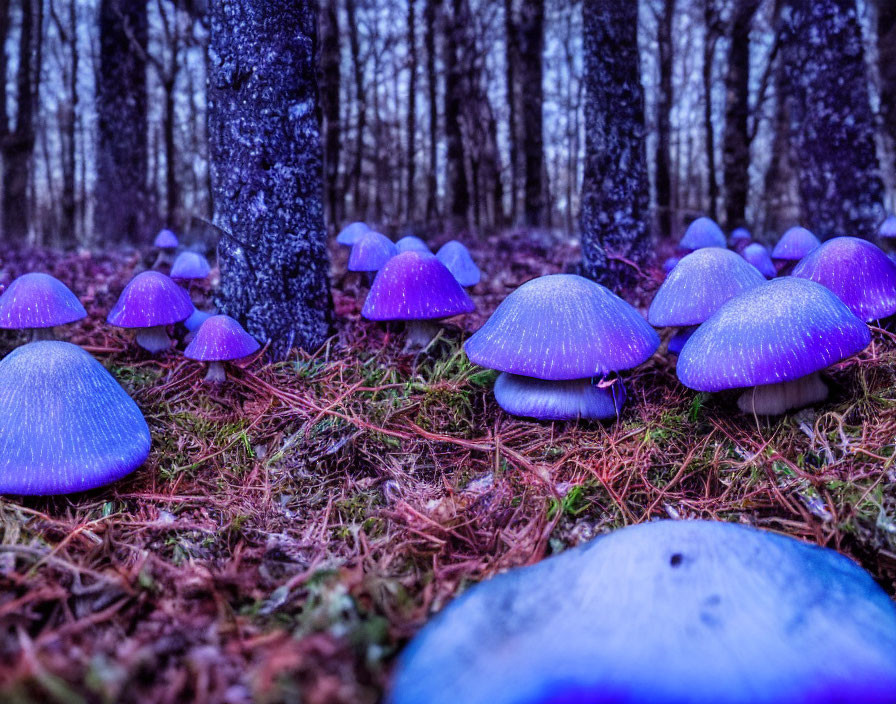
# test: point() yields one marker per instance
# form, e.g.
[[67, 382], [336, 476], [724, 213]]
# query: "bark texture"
[[831, 119], [615, 191], [122, 199], [266, 170]]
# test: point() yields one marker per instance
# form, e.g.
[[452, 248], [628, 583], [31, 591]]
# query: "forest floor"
[[293, 528]]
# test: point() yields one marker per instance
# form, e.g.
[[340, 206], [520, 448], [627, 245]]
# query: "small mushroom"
[[666, 612], [148, 303], [410, 243], [740, 234], [220, 339], [773, 341], [696, 288], [418, 289], [795, 244], [65, 423], [758, 255], [192, 324], [370, 252], [887, 230], [349, 234], [703, 232], [561, 328], [456, 257], [38, 302], [859, 273], [190, 266], [669, 264], [166, 239]]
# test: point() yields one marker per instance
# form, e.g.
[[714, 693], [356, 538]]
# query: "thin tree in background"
[[834, 130], [531, 101], [330, 76], [664, 117], [615, 190], [886, 53], [432, 92], [358, 201], [412, 111], [455, 167], [736, 138], [122, 200], [267, 170], [712, 32]]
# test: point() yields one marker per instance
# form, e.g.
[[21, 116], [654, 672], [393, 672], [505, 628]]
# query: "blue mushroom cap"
[[669, 612], [166, 239], [190, 265], [410, 243], [559, 400], [859, 273], [562, 326], [795, 244], [670, 263], [699, 284], [887, 228], [349, 234], [38, 301], [219, 339], [370, 252], [150, 299], [758, 255], [197, 318], [703, 232], [779, 331], [740, 233], [456, 257], [65, 423]]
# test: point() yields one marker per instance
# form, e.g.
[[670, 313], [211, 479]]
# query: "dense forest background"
[[436, 115]]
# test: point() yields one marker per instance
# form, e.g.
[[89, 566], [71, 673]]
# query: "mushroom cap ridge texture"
[[150, 299], [65, 423], [562, 326], [699, 284], [668, 612], [415, 286], [703, 232], [370, 251], [38, 300], [795, 244], [858, 272], [219, 339], [781, 330]]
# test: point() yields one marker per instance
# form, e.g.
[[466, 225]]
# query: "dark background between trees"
[[468, 115]]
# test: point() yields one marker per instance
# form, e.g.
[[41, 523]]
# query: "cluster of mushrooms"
[[97, 434]]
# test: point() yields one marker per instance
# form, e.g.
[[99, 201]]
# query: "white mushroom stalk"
[[216, 373], [776, 399], [154, 339], [419, 334]]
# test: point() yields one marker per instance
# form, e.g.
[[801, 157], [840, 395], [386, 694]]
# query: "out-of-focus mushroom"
[[667, 612], [412, 243], [349, 234], [758, 255], [887, 229], [220, 339], [166, 239], [65, 423], [456, 257], [562, 328], [773, 341], [795, 244], [418, 289], [370, 252], [669, 264], [703, 232], [38, 302], [190, 265], [148, 303]]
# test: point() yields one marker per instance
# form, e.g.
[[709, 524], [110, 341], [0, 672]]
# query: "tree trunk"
[[736, 139], [267, 170], [359, 204], [615, 190], [511, 61], [412, 112], [432, 184], [663, 119], [454, 145], [886, 60], [531, 99], [330, 77], [832, 124], [172, 195], [711, 36], [122, 201]]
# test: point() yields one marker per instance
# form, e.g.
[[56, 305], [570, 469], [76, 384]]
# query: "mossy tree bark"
[[267, 170], [614, 219]]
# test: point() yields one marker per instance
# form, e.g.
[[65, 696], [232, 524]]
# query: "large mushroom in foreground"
[[552, 338], [150, 302], [38, 302], [65, 423], [668, 612], [773, 341]]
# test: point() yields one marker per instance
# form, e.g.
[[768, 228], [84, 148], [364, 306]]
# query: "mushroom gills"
[[154, 339], [573, 399], [775, 399], [216, 373], [420, 334]]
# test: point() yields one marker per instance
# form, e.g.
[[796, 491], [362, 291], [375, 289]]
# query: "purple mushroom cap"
[[785, 329], [859, 273], [166, 239], [349, 234], [666, 612], [700, 283], [38, 301], [740, 233], [678, 340], [562, 326], [559, 400], [150, 299], [887, 230], [795, 244], [219, 339], [757, 254], [457, 258], [410, 243], [65, 423], [415, 286], [670, 263], [190, 265], [703, 232], [370, 252], [197, 318]]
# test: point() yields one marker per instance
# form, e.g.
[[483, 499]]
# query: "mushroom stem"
[[154, 339], [775, 399], [419, 334], [216, 373], [42, 334]]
